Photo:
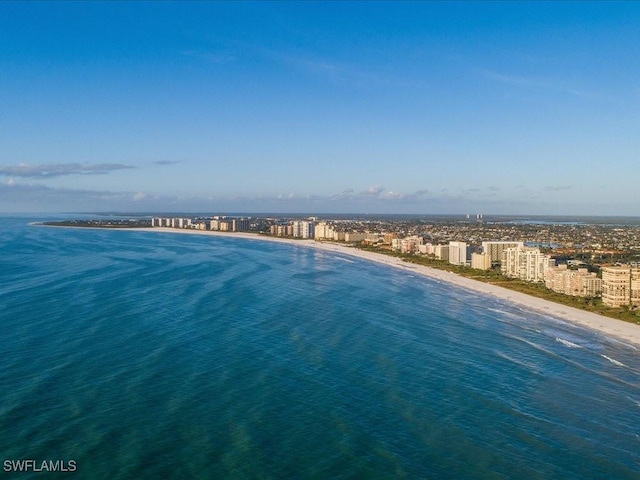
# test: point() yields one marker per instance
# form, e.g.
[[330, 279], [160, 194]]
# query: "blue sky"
[[363, 107]]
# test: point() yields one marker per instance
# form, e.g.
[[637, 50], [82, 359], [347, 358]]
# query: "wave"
[[614, 361], [568, 343], [344, 259], [508, 314]]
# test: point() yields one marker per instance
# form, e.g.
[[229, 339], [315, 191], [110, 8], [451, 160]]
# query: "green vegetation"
[[494, 277]]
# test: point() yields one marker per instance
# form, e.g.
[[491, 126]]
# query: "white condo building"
[[323, 231], [458, 253], [525, 263], [303, 229], [308, 229]]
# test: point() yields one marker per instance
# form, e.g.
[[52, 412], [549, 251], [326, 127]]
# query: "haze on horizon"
[[358, 107]]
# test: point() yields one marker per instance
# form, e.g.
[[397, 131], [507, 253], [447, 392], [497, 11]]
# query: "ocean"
[[146, 355]]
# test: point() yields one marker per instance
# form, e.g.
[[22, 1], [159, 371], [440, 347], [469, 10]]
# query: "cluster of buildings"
[[619, 285], [217, 223], [295, 229], [576, 283], [173, 223], [319, 231]]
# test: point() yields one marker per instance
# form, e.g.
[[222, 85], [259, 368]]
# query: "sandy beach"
[[624, 331]]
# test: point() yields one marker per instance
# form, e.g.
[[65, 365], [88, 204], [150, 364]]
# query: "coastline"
[[620, 330]]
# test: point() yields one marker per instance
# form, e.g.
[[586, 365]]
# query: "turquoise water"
[[148, 355]]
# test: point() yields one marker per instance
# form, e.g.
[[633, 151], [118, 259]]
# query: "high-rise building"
[[323, 231], [621, 286], [303, 229], [308, 229], [495, 248], [458, 253], [480, 261], [525, 263], [296, 229], [239, 225]]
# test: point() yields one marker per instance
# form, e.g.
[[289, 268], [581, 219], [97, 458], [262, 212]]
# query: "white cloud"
[[374, 191], [139, 196], [60, 169]]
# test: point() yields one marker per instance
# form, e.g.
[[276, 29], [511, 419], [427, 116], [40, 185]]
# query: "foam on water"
[[614, 361], [568, 343]]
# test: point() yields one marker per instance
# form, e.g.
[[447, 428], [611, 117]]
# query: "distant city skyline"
[[335, 107]]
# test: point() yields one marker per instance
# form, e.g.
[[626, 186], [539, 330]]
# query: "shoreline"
[[620, 330]]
